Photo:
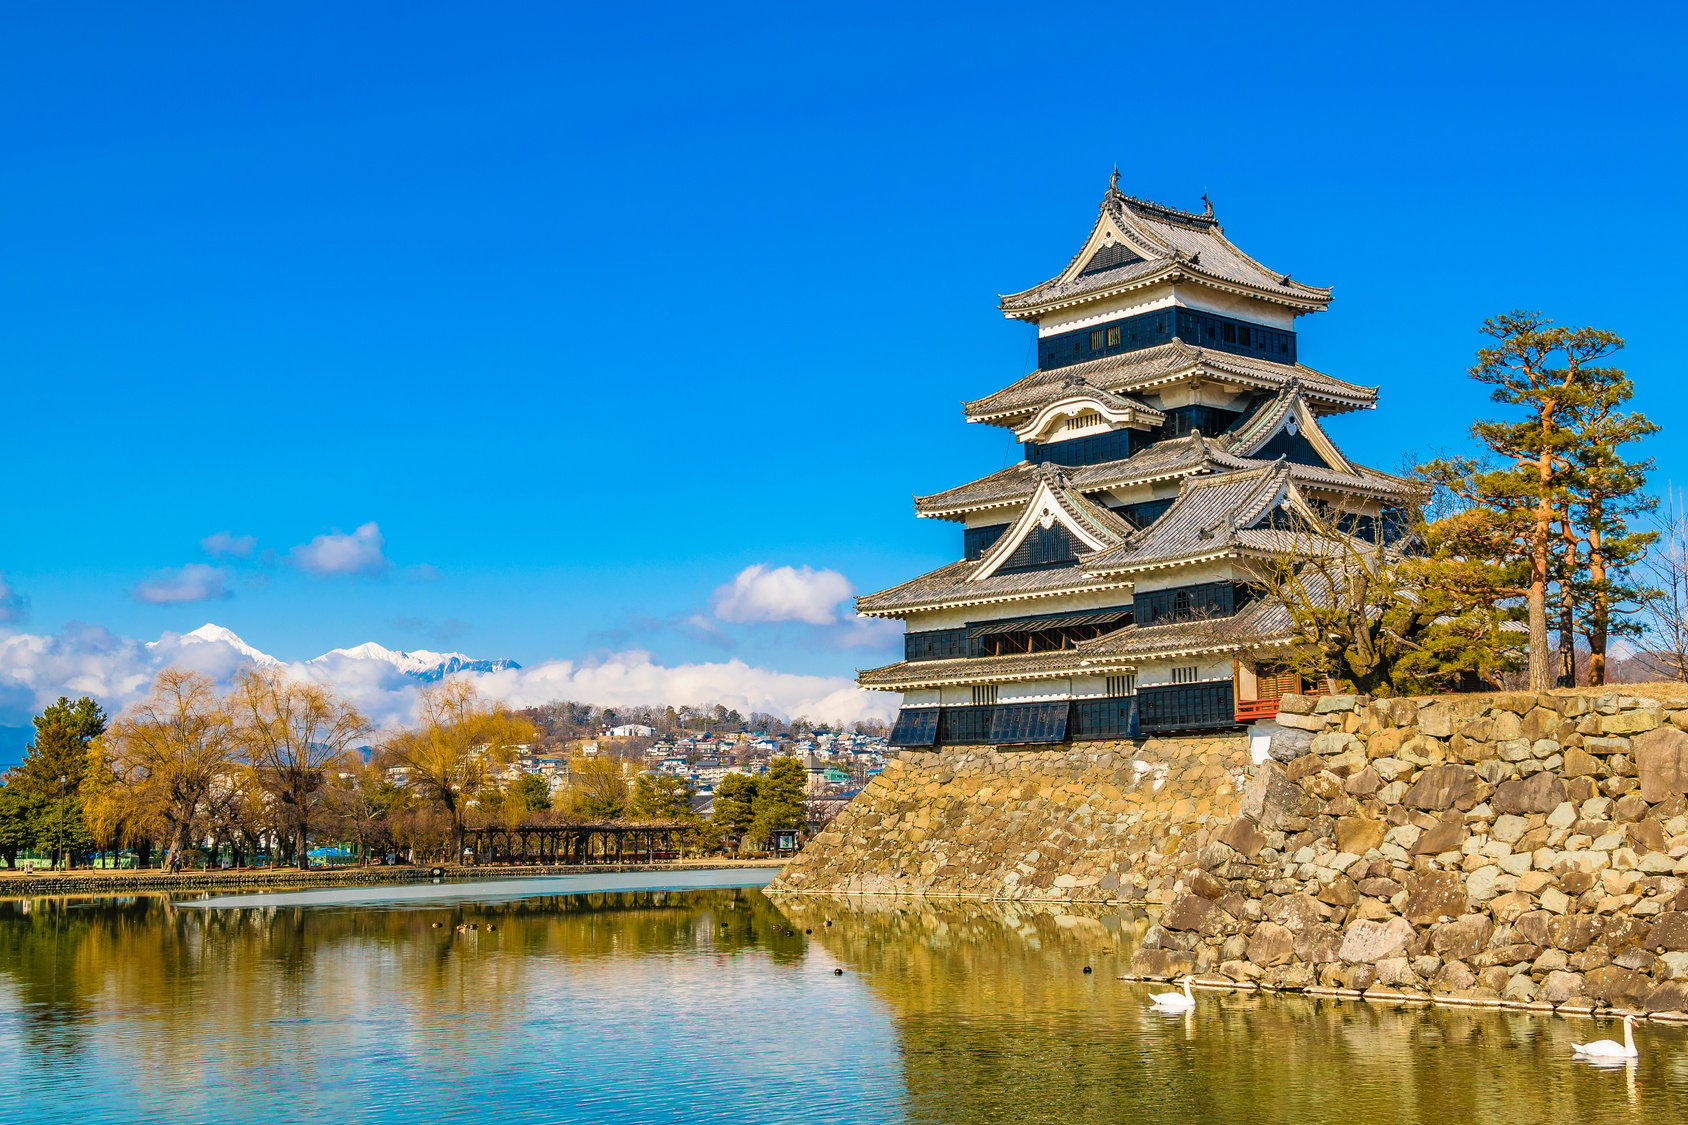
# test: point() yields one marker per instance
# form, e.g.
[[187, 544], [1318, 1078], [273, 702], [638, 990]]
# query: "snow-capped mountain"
[[419, 664], [207, 634]]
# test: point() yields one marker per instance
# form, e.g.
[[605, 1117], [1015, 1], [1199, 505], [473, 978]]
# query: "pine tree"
[[49, 781], [1606, 493], [1554, 376]]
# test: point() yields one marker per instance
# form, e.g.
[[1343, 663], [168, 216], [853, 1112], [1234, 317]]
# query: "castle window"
[[1186, 675], [1113, 336], [1122, 685], [1096, 340], [984, 695]]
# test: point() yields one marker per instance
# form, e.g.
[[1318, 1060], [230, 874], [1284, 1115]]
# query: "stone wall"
[[1522, 848], [1091, 822]]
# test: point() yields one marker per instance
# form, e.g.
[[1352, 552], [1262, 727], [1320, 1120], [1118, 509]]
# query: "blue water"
[[587, 999]]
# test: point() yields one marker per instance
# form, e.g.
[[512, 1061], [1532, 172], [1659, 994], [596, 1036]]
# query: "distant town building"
[[631, 730], [1170, 435]]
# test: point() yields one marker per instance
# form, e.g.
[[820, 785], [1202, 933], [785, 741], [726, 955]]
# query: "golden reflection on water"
[[652, 1006], [999, 1022]]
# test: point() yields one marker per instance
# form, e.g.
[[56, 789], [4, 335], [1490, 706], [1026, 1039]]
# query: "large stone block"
[[1443, 787], [1271, 798], [1463, 938], [1297, 912], [1244, 836], [1538, 793], [1631, 722], [1434, 896], [1271, 944], [1662, 758], [1359, 835], [1370, 942], [1670, 932], [1446, 835], [1617, 986]]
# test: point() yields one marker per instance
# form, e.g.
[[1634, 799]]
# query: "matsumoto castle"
[[1171, 434]]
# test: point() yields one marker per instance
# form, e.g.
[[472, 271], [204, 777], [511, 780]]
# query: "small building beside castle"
[[1108, 582]]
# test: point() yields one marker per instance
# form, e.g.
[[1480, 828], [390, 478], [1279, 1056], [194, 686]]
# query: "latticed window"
[[984, 694], [1187, 674], [1122, 685]]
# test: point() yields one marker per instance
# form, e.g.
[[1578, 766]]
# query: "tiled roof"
[[1175, 457], [1159, 242], [906, 674], [1203, 521], [959, 584], [949, 586], [1262, 621], [1129, 373]]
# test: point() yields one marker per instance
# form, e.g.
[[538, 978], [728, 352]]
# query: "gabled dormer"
[[1057, 527], [1286, 426]]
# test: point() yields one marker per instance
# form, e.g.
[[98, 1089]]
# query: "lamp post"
[[64, 780]]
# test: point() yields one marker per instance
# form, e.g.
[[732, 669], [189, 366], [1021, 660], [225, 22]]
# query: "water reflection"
[[605, 1007], [999, 1022], [720, 1005]]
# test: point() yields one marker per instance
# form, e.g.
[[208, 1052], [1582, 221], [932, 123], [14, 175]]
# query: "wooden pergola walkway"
[[578, 843]]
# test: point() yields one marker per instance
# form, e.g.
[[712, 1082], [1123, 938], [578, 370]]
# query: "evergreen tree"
[[531, 793], [661, 796], [17, 821], [735, 798], [49, 782], [1606, 493], [1554, 376], [780, 794]]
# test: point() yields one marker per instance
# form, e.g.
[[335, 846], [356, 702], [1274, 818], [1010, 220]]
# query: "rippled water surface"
[[590, 1002]]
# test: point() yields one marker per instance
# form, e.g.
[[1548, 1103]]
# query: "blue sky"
[[587, 309]]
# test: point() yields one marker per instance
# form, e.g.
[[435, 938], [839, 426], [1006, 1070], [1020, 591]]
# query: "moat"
[[571, 1000]]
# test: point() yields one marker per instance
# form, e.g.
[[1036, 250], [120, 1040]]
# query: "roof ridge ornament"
[[1207, 206]]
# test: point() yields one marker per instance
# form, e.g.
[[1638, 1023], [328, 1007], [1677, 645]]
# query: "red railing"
[[1253, 710]]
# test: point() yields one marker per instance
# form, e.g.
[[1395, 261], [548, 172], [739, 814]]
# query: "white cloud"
[[116, 671], [629, 678], [195, 582], [340, 553], [13, 605], [223, 544], [783, 593]]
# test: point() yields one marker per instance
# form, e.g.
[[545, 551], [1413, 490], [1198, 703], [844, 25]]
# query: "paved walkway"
[[16, 884]]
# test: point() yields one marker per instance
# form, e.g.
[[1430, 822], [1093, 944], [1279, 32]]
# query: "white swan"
[[1607, 1049], [1175, 1001]]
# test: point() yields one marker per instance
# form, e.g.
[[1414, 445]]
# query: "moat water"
[[650, 998]]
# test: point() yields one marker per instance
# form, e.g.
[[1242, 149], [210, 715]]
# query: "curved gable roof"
[[1135, 242]]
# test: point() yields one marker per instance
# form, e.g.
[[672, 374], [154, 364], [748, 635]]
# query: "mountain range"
[[420, 664]]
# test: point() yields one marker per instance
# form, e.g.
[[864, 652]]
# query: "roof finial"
[[1207, 208], [1113, 180]]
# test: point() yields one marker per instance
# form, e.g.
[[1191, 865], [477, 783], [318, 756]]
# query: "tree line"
[[271, 763], [1518, 564]]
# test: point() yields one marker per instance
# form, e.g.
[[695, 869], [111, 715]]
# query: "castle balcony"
[[1258, 695]]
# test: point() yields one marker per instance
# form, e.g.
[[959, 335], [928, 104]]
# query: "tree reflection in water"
[[673, 1005]]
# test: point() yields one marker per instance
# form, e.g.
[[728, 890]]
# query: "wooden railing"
[[1254, 710]]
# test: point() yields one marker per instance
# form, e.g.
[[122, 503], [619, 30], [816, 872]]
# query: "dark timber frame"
[[578, 843]]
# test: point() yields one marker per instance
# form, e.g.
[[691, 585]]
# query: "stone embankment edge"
[[37, 885], [1423, 999]]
